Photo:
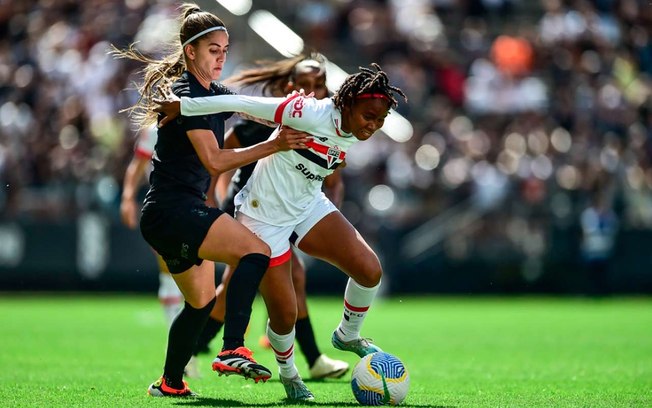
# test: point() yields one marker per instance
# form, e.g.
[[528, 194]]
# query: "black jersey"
[[177, 168]]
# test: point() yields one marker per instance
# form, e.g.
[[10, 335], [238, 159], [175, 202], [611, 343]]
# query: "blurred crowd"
[[526, 113]]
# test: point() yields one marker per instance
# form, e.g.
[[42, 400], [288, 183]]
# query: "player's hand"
[[301, 92], [288, 138], [128, 213], [168, 104]]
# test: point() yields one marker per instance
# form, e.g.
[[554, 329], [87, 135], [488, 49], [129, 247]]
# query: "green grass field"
[[103, 351]]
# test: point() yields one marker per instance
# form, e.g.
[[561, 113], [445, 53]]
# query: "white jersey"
[[146, 142], [285, 186]]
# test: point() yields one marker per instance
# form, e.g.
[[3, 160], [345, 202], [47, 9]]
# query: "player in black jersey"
[[276, 78], [176, 221]]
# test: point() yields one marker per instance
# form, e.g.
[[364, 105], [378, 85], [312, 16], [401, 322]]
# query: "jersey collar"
[[336, 116]]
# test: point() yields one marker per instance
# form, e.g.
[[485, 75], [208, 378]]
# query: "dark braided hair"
[[366, 81]]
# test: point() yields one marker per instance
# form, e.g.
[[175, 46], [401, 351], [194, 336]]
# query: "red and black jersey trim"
[[323, 149], [315, 158]]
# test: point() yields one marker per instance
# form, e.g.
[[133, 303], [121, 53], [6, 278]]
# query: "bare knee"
[[258, 247], [201, 299], [368, 273], [282, 322]]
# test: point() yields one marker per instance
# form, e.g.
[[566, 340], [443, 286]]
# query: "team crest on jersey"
[[332, 155]]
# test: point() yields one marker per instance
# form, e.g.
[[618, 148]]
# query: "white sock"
[[283, 346], [357, 300], [170, 296]]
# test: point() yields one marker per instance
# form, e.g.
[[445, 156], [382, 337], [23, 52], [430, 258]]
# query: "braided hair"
[[366, 81]]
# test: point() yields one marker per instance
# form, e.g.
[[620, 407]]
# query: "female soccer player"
[[283, 203], [278, 78], [175, 220]]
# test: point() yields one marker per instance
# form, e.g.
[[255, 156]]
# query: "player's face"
[[311, 82], [365, 117], [210, 55]]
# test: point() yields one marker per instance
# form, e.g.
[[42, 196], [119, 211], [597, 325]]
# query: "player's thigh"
[[334, 240], [278, 292], [227, 241], [197, 284]]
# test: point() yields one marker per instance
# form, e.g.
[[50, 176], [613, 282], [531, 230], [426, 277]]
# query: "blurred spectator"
[[599, 229], [518, 106]]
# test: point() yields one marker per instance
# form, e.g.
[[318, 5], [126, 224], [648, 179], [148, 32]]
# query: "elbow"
[[216, 169]]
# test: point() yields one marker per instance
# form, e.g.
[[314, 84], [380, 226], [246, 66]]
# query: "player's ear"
[[190, 51]]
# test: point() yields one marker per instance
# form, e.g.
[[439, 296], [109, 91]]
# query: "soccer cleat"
[[326, 367], [295, 389], [192, 368], [359, 346], [161, 389], [240, 362]]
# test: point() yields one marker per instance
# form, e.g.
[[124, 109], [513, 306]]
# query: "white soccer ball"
[[380, 379]]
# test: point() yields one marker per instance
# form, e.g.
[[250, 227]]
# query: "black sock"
[[306, 339], [181, 341], [240, 296], [211, 328]]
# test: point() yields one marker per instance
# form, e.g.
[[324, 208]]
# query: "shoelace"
[[300, 387], [244, 352], [365, 341], [241, 352]]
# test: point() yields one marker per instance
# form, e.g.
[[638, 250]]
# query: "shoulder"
[[317, 107], [181, 87], [221, 89]]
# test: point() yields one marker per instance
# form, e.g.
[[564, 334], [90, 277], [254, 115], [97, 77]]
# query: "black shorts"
[[228, 206], [177, 231]]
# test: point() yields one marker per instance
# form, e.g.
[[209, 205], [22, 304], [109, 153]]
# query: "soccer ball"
[[380, 379]]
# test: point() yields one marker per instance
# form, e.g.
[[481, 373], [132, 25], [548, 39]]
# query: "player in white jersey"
[[275, 78], [169, 295], [283, 203]]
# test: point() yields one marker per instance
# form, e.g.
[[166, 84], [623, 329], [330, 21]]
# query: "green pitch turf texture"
[[104, 350]]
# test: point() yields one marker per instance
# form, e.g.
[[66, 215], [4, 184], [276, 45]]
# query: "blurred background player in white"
[[283, 204], [276, 78], [169, 295]]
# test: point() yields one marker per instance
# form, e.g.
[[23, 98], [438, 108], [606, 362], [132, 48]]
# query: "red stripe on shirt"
[[281, 259], [143, 154], [278, 115], [322, 149], [355, 308]]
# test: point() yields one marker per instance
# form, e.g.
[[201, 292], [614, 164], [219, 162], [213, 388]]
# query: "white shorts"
[[279, 237]]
